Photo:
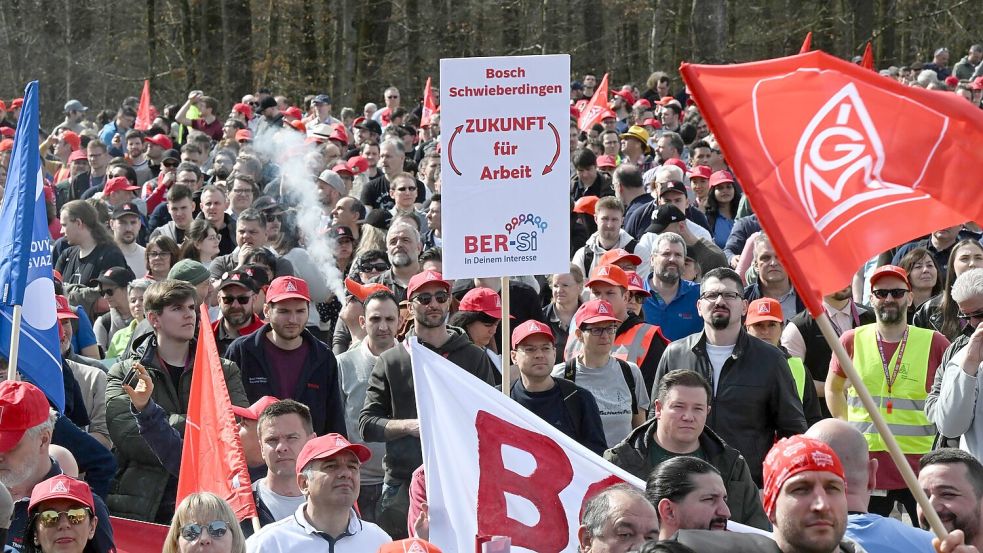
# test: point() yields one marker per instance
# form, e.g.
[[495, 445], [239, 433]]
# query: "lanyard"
[[853, 313], [890, 378]]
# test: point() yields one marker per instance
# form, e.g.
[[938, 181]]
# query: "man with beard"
[[390, 414], [897, 362], [214, 202], [802, 337], [953, 481], [617, 520], [125, 224], [403, 247], [754, 395], [236, 294], [688, 494], [672, 305], [25, 436], [773, 281]]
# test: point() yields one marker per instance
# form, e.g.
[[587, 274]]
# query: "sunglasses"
[[106, 292], [883, 293], [170, 164], [405, 189], [243, 300], [216, 529], [77, 516], [373, 267], [426, 298], [270, 217]]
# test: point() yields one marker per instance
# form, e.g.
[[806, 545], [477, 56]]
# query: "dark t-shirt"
[[658, 455], [81, 270], [288, 365], [546, 405]]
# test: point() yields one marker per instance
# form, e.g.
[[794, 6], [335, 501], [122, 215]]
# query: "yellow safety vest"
[[907, 420], [799, 374]]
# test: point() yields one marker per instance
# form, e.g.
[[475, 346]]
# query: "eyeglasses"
[[216, 529], [50, 519], [158, 254], [883, 293], [601, 330], [243, 300], [530, 350], [373, 267], [714, 296], [426, 298], [106, 292], [405, 189], [966, 317]]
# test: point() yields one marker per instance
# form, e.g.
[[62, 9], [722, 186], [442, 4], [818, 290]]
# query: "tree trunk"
[[237, 44]]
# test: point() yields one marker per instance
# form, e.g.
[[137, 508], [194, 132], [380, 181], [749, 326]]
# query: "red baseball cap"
[[329, 445], [255, 410], [116, 184], [358, 164], [594, 311], [764, 309], [409, 545], [613, 257], [293, 111], [608, 274], [700, 172], [586, 205], [362, 291], [642, 103], [7, 132], [483, 300], [721, 177], [676, 162], [287, 288], [606, 162], [245, 109], [635, 284], [298, 125], [628, 97], [72, 139], [243, 135], [890, 270], [343, 168], [339, 134], [652, 122], [664, 100], [78, 155], [16, 103], [357, 121], [426, 277], [22, 406], [62, 487], [160, 140], [529, 328], [63, 308]]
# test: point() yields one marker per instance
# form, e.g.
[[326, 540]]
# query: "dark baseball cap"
[[664, 216], [116, 276], [126, 209], [370, 125], [322, 99], [172, 155], [238, 278], [673, 186]]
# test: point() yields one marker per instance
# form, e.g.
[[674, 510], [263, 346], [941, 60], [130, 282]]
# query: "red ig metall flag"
[[212, 459], [840, 163], [429, 106], [597, 108]]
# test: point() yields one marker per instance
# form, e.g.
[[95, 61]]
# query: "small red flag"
[[212, 459], [597, 108], [144, 117], [806, 44], [429, 106], [839, 163], [867, 62]]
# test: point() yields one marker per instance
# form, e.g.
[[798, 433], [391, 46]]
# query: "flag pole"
[[506, 337], [846, 363], [14, 344], [255, 521]]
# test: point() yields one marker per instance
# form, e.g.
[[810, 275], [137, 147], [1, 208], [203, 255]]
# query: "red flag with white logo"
[[144, 117], [212, 459], [429, 106], [840, 163], [597, 108]]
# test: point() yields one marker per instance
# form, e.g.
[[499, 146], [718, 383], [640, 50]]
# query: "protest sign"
[[505, 169]]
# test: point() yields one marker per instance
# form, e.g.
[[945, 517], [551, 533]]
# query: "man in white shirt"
[[328, 475], [125, 225]]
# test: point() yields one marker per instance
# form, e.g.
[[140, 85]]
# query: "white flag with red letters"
[[495, 468]]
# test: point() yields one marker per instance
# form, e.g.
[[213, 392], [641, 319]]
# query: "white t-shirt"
[[280, 506], [614, 400], [718, 356]]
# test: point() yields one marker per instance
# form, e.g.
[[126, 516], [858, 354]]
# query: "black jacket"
[[318, 387], [390, 396], [755, 398], [632, 454]]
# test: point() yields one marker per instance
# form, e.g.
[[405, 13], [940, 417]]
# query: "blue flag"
[[25, 261]]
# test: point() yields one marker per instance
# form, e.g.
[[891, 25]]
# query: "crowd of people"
[[675, 345]]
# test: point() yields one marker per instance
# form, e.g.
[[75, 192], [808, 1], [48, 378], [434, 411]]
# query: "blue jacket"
[[318, 387]]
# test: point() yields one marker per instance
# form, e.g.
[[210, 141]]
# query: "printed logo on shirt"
[[258, 380]]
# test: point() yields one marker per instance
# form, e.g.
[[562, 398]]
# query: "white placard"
[[505, 165]]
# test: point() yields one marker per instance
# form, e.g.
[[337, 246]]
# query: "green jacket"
[[632, 455], [138, 492]]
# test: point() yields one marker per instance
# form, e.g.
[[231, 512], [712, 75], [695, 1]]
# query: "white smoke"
[[300, 163]]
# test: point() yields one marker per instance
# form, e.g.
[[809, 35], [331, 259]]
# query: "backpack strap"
[[630, 381], [570, 370], [588, 259], [569, 391], [630, 246]]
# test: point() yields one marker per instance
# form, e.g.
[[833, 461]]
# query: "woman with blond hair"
[[206, 519]]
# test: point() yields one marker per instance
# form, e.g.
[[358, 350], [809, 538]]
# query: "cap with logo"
[[482, 300], [721, 177], [22, 406], [341, 232], [128, 208], [63, 309], [594, 311], [256, 409], [358, 164], [764, 309], [238, 278], [700, 172], [636, 285], [420, 280], [608, 274], [119, 277], [617, 255], [666, 215], [363, 291], [62, 487], [529, 328], [117, 184], [890, 270], [288, 288], [409, 545], [672, 186], [330, 445]]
